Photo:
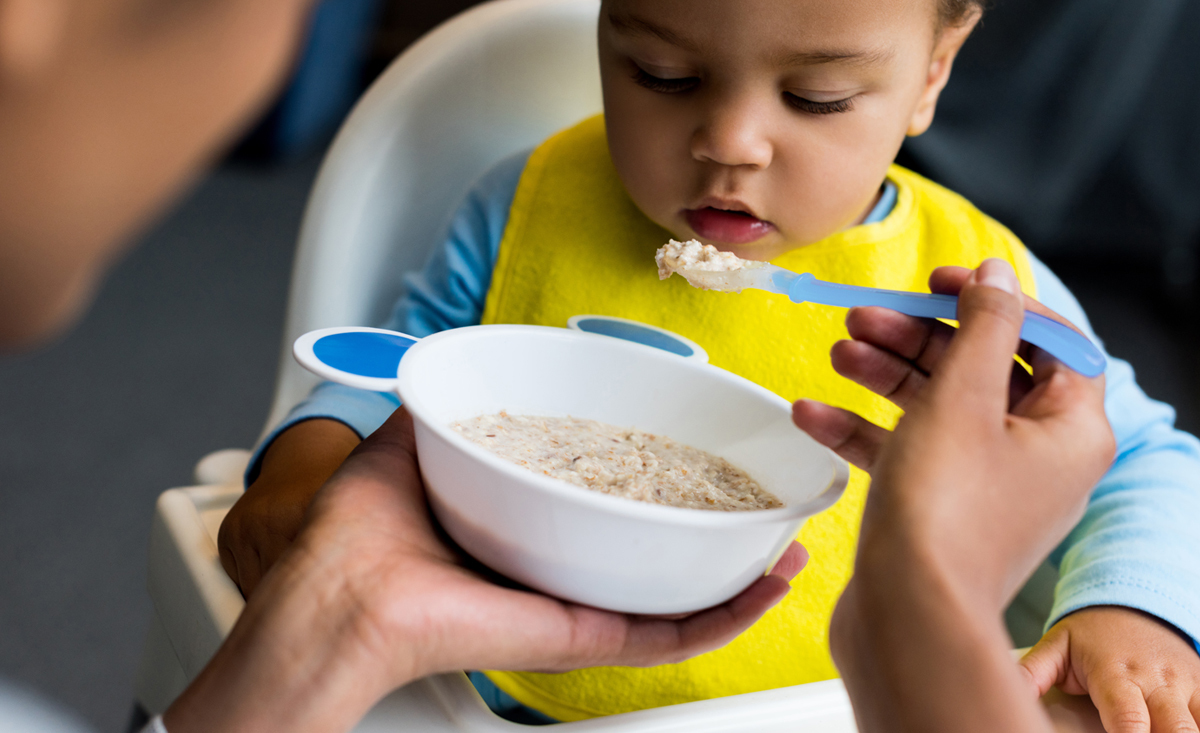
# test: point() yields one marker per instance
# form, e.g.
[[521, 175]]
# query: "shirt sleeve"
[[1137, 544], [448, 293]]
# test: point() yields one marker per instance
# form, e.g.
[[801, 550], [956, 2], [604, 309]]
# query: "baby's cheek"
[[655, 167], [657, 196]]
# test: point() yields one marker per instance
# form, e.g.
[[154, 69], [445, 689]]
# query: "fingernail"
[[996, 273]]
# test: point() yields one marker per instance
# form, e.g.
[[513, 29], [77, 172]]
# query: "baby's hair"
[[956, 12]]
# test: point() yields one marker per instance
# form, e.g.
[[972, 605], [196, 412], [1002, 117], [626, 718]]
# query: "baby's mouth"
[[726, 226]]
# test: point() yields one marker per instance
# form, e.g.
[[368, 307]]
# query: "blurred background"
[[1071, 121]]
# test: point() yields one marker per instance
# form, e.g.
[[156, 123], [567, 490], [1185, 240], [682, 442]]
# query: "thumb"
[[392, 442], [387, 457], [978, 363], [1045, 665]]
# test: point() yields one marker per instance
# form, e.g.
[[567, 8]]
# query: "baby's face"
[[760, 126]]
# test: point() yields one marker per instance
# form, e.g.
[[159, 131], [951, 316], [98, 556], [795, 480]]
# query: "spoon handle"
[[1064, 343]]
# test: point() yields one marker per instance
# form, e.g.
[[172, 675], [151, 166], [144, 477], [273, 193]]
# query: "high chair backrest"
[[494, 80]]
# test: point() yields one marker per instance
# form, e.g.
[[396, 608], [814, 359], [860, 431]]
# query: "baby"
[[768, 128]]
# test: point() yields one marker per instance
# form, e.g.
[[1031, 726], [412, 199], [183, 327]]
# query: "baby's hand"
[[1140, 673], [266, 519]]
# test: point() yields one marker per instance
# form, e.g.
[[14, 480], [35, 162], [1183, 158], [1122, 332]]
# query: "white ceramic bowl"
[[581, 545]]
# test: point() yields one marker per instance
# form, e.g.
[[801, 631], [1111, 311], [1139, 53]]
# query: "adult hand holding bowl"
[[591, 548]]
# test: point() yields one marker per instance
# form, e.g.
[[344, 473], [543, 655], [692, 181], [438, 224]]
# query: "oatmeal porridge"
[[706, 267], [619, 461]]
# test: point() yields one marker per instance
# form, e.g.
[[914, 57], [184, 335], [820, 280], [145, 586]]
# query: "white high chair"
[[497, 79]]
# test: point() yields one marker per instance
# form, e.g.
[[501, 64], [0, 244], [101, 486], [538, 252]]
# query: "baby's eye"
[[818, 108], [658, 84]]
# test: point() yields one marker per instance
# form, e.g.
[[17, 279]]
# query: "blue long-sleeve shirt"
[[1137, 545]]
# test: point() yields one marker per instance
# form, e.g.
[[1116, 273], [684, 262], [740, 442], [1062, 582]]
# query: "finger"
[[1041, 361], [1168, 707], [919, 340], [393, 442], [387, 456], [1194, 706], [892, 354], [976, 370], [843, 432], [791, 562], [882, 372], [1064, 403], [718, 626], [1051, 388], [1122, 707], [655, 640], [567, 636], [1046, 663], [948, 280], [788, 566], [381, 472], [1020, 385]]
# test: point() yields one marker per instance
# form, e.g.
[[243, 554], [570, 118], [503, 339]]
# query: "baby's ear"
[[950, 39]]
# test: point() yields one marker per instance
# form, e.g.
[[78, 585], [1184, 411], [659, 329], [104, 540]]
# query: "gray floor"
[[177, 359]]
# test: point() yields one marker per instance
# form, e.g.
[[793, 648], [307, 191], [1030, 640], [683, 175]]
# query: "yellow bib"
[[575, 243]]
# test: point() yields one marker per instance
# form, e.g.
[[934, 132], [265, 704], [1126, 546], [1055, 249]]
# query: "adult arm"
[[983, 476], [1139, 669]]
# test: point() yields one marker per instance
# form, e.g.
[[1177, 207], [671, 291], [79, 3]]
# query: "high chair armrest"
[[222, 467], [194, 599]]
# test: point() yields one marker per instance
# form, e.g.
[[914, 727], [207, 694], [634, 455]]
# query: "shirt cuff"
[[1132, 590], [360, 410]]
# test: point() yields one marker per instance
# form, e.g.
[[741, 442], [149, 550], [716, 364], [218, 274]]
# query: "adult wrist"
[[922, 649], [302, 657], [898, 559]]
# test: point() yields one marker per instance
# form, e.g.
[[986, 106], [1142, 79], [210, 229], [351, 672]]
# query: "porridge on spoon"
[[706, 267]]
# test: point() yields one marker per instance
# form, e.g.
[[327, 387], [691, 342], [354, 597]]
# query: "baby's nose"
[[734, 134]]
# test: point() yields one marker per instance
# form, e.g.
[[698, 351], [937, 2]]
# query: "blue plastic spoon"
[[1064, 343]]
